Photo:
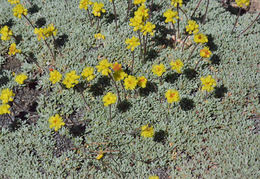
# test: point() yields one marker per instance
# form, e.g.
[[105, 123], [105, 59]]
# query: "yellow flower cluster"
[[6, 33], [55, 76], [242, 3], [56, 122], [141, 81], [147, 131], [6, 95], [84, 4], [208, 83], [140, 16], [13, 50], [176, 2], [109, 98], [97, 9], [4, 109], [200, 38], [19, 10], [205, 52], [132, 43], [71, 79], [119, 75], [153, 177], [104, 67], [170, 15], [158, 69], [130, 82], [192, 27], [137, 2], [172, 96], [20, 78], [43, 33], [148, 28], [14, 1], [99, 36], [177, 65], [88, 73]]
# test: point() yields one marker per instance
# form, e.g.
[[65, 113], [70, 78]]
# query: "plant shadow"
[[172, 78], [190, 73], [219, 92], [151, 87], [124, 106], [187, 104], [98, 88]]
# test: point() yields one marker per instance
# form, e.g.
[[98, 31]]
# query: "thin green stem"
[[184, 41], [84, 99], [198, 64], [238, 14], [117, 90], [184, 13], [133, 60], [250, 25], [110, 113], [115, 14], [178, 24], [196, 8], [205, 15], [193, 51], [28, 21]]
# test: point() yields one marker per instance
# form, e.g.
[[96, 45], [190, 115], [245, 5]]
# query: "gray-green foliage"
[[213, 140]]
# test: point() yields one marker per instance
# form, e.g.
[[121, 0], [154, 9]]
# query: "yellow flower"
[[55, 76], [97, 9], [147, 131], [20, 78], [142, 12], [109, 98], [192, 27], [158, 69], [100, 155], [40, 33], [13, 50], [136, 2], [50, 30], [142, 81], [84, 4], [99, 36], [130, 82], [103, 67], [14, 1], [132, 43], [71, 79], [208, 83], [119, 75], [172, 96], [205, 52], [6, 95], [177, 65], [148, 28], [242, 3], [56, 122], [88, 73], [4, 109], [200, 38], [153, 177], [19, 10], [6, 33], [176, 2], [137, 23], [170, 15], [116, 67]]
